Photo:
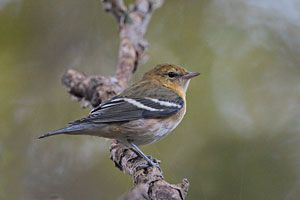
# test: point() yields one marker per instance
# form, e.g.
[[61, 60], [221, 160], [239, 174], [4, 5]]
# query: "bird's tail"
[[71, 129]]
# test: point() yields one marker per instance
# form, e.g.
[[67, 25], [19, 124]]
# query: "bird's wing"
[[124, 108]]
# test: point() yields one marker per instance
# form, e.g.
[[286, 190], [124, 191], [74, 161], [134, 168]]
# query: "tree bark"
[[133, 20]]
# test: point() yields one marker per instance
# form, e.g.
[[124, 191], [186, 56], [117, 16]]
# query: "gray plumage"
[[117, 110]]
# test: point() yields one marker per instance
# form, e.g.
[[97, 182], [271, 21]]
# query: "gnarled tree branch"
[[133, 20]]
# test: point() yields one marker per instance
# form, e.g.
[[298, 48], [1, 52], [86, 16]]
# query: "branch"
[[149, 181], [133, 20]]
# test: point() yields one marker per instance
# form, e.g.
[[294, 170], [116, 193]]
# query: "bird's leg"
[[140, 153]]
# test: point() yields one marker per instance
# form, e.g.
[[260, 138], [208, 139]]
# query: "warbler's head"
[[171, 76]]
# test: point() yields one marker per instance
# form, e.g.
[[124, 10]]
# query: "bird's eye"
[[173, 74]]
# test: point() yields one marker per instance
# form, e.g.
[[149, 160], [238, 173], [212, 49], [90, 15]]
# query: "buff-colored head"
[[171, 76]]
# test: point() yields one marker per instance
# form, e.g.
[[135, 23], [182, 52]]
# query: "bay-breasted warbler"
[[142, 114]]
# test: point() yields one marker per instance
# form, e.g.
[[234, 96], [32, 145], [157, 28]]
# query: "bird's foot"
[[151, 161]]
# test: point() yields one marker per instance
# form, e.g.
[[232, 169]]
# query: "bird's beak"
[[190, 75]]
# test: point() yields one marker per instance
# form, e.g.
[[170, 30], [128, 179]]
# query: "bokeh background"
[[239, 140]]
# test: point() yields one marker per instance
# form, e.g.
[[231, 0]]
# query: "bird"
[[142, 114]]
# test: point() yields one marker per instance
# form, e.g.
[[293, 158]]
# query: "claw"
[[151, 161]]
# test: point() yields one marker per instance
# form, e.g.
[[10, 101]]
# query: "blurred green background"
[[239, 140]]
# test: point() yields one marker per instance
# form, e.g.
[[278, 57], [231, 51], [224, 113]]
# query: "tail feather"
[[72, 129]]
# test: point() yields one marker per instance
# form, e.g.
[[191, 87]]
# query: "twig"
[[133, 20]]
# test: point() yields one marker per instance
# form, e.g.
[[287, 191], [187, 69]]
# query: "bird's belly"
[[147, 131]]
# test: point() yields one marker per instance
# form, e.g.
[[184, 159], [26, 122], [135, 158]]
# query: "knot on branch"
[[90, 90]]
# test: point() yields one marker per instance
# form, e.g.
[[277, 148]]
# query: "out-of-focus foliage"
[[240, 137]]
